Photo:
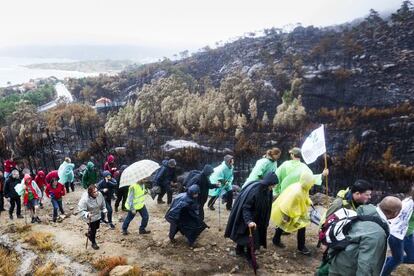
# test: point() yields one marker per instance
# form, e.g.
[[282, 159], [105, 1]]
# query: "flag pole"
[[326, 167]]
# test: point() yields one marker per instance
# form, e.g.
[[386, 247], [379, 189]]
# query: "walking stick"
[[219, 203], [25, 217], [87, 234], [252, 255], [326, 180]]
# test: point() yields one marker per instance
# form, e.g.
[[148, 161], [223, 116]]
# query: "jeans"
[[93, 227], [72, 186], [398, 247], [165, 190], [109, 208], [144, 215], [57, 204], [1, 201], [15, 201], [228, 196], [121, 195], [301, 237]]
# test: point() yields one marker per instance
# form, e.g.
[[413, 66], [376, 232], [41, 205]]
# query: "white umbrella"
[[138, 171]]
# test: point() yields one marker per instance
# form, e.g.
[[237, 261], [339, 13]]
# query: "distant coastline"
[[91, 66]]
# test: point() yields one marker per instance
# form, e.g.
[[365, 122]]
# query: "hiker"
[[8, 165], [401, 236], [121, 193], [251, 212], [90, 175], [351, 198], [53, 175], [223, 175], [55, 191], [290, 171], [66, 175], [90, 206], [110, 165], [12, 195], [136, 203], [107, 186], [164, 178], [31, 197], [365, 253], [2, 184], [183, 216], [202, 179], [290, 212], [40, 180], [264, 165]]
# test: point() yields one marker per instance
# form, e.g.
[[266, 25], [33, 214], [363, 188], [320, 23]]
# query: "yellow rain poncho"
[[290, 211]]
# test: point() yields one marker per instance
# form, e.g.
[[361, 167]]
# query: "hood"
[[208, 170], [69, 167], [27, 178], [106, 173], [90, 165], [164, 163], [194, 189], [307, 180], [342, 193], [41, 174], [269, 179], [367, 210], [110, 158]]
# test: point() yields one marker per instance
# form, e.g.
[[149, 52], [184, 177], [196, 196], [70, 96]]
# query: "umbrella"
[[138, 171], [252, 255]]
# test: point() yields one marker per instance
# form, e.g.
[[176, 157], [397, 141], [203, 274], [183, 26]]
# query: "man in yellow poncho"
[[290, 211], [290, 171]]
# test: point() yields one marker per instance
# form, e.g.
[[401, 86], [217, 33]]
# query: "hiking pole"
[[87, 234], [25, 217]]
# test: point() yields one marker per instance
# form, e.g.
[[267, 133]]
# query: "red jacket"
[[52, 175], [8, 165], [57, 192], [40, 179], [110, 165], [28, 182]]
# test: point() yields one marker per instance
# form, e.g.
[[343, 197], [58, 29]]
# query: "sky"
[[186, 24]]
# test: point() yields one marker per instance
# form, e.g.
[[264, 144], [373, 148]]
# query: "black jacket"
[[254, 204], [164, 175], [9, 190], [202, 180], [111, 185]]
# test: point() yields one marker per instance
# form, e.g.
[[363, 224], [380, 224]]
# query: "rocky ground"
[[213, 254]]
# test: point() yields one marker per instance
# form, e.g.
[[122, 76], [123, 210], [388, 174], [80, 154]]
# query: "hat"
[[227, 158], [270, 179], [172, 163], [208, 170], [295, 151]]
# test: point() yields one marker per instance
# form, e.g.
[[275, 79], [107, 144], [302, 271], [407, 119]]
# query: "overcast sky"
[[186, 24]]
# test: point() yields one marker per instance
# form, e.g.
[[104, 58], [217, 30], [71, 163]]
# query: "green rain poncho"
[[263, 166], [90, 175], [289, 172], [65, 172], [222, 174]]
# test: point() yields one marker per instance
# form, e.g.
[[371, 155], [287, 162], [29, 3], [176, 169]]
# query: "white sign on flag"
[[314, 145]]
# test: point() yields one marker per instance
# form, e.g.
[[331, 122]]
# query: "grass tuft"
[[41, 241], [106, 264], [9, 262], [49, 269]]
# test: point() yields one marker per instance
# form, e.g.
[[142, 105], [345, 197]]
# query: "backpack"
[[334, 234]]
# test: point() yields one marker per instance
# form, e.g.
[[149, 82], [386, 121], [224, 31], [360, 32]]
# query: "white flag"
[[314, 145]]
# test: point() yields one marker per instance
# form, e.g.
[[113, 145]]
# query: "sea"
[[12, 70]]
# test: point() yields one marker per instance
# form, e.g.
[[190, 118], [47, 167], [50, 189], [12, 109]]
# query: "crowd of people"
[[353, 233]]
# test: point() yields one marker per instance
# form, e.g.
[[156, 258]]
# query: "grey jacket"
[[92, 207]]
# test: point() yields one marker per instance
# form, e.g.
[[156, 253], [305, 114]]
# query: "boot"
[[95, 246]]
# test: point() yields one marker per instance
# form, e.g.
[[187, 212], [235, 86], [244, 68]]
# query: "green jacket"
[[365, 255], [224, 175], [263, 166], [90, 176], [289, 172]]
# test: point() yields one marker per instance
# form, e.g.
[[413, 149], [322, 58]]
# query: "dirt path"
[[154, 252]]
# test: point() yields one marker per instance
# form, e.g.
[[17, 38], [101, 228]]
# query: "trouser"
[[165, 190], [93, 227], [121, 195], [1, 201], [301, 237], [108, 206], [57, 204], [398, 247], [173, 230], [71, 185], [144, 215], [228, 196], [15, 201], [243, 250]]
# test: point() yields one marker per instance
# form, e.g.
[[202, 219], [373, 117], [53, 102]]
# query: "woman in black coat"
[[251, 209]]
